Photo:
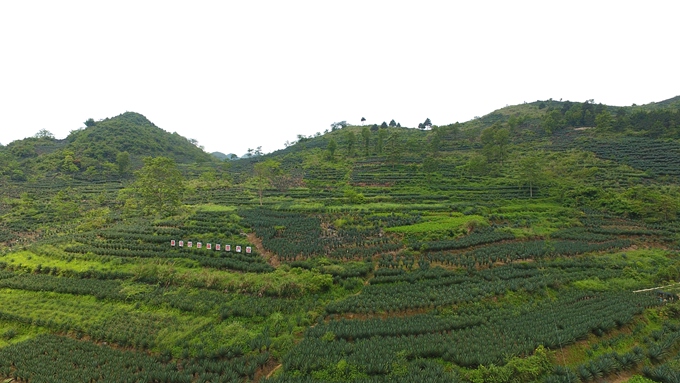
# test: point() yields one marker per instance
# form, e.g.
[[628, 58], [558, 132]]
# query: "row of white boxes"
[[208, 246]]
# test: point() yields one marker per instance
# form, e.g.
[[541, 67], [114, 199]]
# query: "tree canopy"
[[159, 186]]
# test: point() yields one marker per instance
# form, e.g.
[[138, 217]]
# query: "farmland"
[[435, 256]]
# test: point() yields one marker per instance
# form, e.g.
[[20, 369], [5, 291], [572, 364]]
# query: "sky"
[[241, 74]]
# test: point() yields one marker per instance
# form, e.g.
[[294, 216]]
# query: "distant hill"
[[221, 156], [133, 133], [97, 151]]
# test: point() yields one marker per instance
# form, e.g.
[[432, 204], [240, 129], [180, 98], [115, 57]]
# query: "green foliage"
[[495, 140], [353, 197], [604, 121], [351, 140], [159, 186], [517, 370], [264, 174], [123, 162], [530, 171], [332, 147], [44, 134], [366, 137], [133, 133]]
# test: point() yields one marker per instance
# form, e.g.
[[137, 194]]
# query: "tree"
[[552, 121], [427, 123], [159, 186], [90, 122], [68, 164], [332, 147], [351, 139], [394, 147], [44, 133], [513, 123], [530, 171], [263, 176], [363, 119], [383, 125], [123, 162], [435, 138], [366, 136], [604, 121], [353, 197], [338, 125], [374, 127], [476, 165], [393, 123], [574, 115], [495, 140], [382, 134]]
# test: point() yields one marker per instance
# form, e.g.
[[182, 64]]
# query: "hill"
[[221, 156], [106, 149], [540, 242]]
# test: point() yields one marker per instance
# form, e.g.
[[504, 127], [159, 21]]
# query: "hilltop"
[[105, 149]]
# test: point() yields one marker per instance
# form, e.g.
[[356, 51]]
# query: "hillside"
[[106, 149], [537, 243]]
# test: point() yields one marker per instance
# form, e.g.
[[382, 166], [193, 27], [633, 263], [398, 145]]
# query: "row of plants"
[[657, 157], [227, 261], [526, 250], [50, 358], [478, 237], [489, 337], [437, 288]]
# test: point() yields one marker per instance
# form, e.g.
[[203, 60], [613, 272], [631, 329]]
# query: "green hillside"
[[538, 243], [106, 149]]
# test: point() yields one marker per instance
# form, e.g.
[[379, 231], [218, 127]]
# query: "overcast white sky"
[[241, 74]]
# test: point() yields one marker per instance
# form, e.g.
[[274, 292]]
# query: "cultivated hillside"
[[538, 243]]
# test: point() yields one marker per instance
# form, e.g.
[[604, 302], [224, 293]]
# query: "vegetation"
[[538, 243]]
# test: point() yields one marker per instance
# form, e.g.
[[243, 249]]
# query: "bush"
[[9, 334]]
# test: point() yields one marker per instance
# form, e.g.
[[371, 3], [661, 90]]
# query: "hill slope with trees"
[[105, 149]]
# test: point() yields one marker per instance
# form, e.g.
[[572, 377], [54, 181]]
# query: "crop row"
[[229, 261], [49, 358], [500, 334], [476, 238], [390, 293], [509, 252], [656, 157]]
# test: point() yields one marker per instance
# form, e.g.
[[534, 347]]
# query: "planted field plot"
[[657, 157], [300, 236], [470, 337], [51, 358], [207, 228]]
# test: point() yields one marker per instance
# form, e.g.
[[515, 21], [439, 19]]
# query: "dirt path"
[[273, 371], [271, 258], [657, 288]]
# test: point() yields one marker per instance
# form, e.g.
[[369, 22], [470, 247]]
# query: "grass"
[[31, 259], [14, 332], [438, 223], [215, 208]]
